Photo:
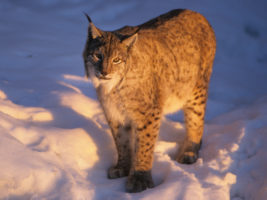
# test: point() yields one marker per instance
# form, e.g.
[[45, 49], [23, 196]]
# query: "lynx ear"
[[92, 30], [130, 40]]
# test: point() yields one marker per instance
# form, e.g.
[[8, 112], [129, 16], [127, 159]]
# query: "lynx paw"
[[187, 158], [188, 153], [117, 172], [139, 181]]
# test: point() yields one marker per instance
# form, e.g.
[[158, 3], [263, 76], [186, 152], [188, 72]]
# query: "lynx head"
[[105, 54]]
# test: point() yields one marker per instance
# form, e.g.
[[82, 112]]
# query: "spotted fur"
[[142, 72]]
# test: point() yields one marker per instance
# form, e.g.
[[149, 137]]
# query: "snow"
[[55, 142]]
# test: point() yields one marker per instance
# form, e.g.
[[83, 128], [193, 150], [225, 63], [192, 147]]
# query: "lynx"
[[142, 72]]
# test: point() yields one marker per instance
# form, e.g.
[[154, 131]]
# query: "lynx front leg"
[[121, 135], [145, 138], [194, 112]]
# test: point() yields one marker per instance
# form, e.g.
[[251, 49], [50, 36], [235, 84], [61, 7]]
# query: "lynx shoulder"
[[142, 72]]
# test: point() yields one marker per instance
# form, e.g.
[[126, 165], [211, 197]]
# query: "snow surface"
[[55, 143]]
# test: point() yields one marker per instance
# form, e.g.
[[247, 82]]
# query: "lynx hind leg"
[[145, 138], [194, 112], [121, 135]]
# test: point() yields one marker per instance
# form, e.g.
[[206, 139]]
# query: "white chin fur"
[[107, 85]]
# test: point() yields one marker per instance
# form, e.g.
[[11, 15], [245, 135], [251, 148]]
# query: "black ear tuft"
[[93, 32], [89, 19]]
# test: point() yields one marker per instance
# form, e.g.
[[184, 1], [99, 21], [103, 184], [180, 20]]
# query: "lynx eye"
[[116, 60]]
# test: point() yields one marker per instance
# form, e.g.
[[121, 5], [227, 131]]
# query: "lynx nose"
[[104, 69], [104, 73]]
